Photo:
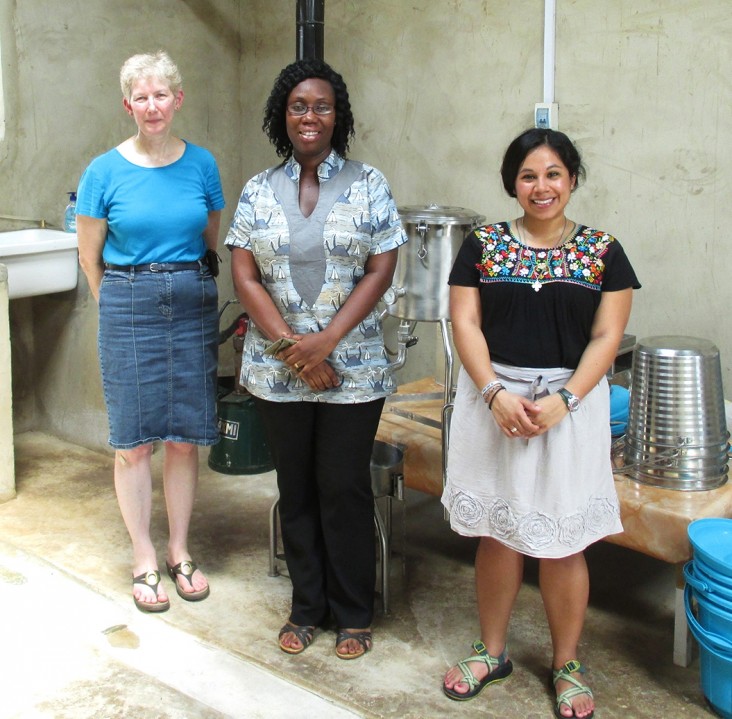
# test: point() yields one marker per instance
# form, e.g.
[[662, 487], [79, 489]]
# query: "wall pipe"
[[310, 30], [550, 39]]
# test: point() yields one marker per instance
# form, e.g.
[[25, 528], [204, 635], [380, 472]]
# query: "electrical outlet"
[[546, 115]]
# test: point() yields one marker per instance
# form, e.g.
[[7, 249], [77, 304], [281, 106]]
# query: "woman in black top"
[[538, 307]]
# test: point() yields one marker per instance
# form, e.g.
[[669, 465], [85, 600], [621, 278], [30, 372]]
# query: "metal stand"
[[447, 404]]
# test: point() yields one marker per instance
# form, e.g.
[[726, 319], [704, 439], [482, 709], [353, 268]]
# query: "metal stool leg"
[[274, 518], [384, 551]]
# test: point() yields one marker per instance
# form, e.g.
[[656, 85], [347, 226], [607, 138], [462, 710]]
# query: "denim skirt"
[[158, 353]]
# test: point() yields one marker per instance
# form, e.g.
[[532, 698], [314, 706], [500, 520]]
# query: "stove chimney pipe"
[[310, 29]]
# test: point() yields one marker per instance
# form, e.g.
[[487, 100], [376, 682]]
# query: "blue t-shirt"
[[154, 214]]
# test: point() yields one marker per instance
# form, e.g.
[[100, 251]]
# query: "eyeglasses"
[[300, 108]]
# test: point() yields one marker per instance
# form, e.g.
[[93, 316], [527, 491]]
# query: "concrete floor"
[[74, 646]]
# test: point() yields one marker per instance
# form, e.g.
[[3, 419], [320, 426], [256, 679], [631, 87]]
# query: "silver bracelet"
[[490, 386]]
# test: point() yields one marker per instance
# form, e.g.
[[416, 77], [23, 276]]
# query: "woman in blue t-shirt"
[[148, 215]]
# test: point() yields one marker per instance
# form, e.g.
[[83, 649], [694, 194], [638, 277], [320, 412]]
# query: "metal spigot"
[[405, 339]]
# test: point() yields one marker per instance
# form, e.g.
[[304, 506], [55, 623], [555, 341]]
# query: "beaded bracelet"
[[489, 387], [490, 404]]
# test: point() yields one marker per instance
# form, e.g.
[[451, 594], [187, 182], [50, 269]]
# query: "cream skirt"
[[549, 496]]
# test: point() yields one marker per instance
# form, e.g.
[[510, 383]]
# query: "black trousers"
[[322, 454]]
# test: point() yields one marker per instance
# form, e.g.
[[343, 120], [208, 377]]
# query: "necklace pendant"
[[536, 285]]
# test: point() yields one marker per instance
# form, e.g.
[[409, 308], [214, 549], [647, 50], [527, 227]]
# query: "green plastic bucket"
[[243, 447]]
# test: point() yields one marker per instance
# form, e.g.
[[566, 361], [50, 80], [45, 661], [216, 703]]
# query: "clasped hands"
[[519, 416], [308, 357]]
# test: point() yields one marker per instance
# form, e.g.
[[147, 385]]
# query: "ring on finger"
[[514, 430], [297, 365]]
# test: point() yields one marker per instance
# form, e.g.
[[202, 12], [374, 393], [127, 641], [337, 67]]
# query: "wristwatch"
[[571, 400]]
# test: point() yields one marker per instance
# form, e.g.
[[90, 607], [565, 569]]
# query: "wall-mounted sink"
[[39, 261]]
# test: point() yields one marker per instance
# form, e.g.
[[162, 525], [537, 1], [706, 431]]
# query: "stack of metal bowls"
[[677, 434]]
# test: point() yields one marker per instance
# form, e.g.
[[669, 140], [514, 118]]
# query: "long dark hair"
[[530, 140], [274, 113]]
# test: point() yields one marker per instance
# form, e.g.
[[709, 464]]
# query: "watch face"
[[571, 400]]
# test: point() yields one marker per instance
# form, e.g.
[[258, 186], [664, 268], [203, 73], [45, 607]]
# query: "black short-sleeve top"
[[538, 305]]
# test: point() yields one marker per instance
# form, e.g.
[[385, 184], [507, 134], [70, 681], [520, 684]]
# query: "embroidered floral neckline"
[[578, 259]]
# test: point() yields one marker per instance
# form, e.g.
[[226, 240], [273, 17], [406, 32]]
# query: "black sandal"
[[363, 638], [303, 634]]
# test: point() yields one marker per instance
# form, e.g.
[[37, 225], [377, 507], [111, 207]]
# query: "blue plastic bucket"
[[711, 540], [619, 407], [706, 586], [717, 581], [713, 631]]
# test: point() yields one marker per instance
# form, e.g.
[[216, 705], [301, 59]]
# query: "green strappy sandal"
[[565, 673], [498, 669]]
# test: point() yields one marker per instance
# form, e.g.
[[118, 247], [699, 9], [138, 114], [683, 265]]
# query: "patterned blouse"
[[309, 266], [538, 305]]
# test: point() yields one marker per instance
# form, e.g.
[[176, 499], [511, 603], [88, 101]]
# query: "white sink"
[[39, 261]]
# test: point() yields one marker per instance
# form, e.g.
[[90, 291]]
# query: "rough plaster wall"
[[650, 104], [438, 91], [63, 106], [643, 86]]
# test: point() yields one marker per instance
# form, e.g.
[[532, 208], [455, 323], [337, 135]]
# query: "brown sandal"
[[150, 579], [185, 569]]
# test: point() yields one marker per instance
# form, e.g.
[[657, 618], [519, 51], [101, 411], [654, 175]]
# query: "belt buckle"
[[155, 267]]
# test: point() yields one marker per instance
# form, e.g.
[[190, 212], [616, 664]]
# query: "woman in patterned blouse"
[[314, 245]]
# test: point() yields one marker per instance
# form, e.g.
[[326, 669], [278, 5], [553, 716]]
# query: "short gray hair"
[[147, 65]]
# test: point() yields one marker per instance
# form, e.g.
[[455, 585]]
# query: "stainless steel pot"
[[677, 429], [435, 234]]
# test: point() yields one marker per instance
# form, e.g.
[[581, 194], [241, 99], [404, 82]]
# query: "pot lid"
[[440, 214]]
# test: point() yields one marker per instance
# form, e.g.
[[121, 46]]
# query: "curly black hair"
[[274, 113], [531, 139]]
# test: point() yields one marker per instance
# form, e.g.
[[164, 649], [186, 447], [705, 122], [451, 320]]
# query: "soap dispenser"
[[70, 213]]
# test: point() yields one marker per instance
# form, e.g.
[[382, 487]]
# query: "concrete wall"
[[7, 449], [438, 90], [63, 106]]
